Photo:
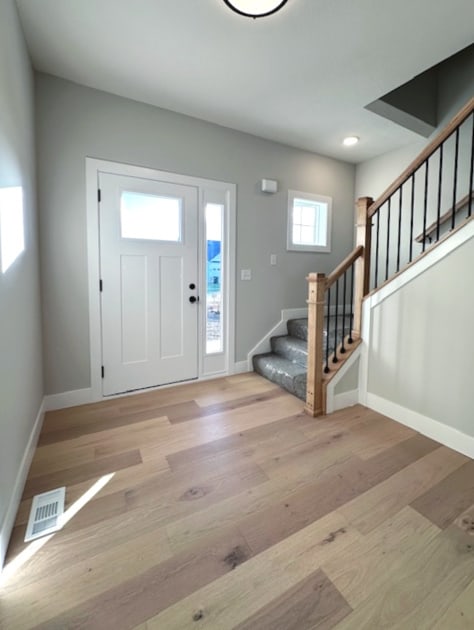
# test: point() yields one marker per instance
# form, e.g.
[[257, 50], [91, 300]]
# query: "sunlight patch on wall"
[[12, 231]]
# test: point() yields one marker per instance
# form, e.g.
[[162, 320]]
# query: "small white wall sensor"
[[269, 185]]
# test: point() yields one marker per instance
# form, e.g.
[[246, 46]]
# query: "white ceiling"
[[301, 77]]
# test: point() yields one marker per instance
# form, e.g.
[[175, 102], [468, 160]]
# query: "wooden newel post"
[[314, 386], [362, 264]]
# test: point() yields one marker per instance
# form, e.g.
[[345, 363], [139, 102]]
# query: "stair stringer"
[[280, 328]]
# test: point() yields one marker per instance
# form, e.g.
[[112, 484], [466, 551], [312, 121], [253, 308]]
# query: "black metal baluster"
[[456, 156], [328, 310], [387, 252], [335, 359], [344, 286], [425, 206], [376, 284], [471, 174], [351, 340], [438, 215], [399, 227], [412, 213]]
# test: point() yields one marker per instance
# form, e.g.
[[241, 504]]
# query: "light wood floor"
[[223, 506]]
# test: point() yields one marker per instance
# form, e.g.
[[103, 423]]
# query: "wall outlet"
[[246, 274]]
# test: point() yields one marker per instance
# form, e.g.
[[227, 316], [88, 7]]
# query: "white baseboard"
[[86, 396], [68, 399], [240, 367], [443, 433], [279, 329], [345, 399], [9, 520], [429, 259]]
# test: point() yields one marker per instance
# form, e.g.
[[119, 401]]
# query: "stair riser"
[[289, 348], [269, 367], [298, 328]]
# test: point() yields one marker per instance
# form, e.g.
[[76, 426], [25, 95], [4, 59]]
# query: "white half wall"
[[418, 360]]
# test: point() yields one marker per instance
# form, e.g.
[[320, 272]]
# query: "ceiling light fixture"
[[350, 141], [255, 8]]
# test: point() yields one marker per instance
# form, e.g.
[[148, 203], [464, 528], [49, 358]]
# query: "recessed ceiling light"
[[350, 141]]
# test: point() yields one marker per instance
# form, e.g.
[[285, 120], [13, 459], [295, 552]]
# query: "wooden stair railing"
[[322, 368], [431, 229], [430, 192], [403, 210]]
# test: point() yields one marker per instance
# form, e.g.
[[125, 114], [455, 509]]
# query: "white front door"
[[149, 282]]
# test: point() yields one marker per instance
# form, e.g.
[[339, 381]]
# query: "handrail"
[[344, 266], [423, 156], [443, 218]]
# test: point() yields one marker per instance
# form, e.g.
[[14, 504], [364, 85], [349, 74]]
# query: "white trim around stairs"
[[443, 433], [279, 329], [9, 520], [334, 402], [345, 399], [240, 367], [429, 259]]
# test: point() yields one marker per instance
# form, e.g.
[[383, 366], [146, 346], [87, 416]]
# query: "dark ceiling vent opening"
[[415, 104]]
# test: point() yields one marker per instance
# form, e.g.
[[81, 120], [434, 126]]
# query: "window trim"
[[296, 247]]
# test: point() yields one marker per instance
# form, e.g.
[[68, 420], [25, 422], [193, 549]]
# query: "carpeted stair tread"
[[286, 365], [284, 372]]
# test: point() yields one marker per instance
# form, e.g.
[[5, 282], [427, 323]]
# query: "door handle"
[[193, 299]]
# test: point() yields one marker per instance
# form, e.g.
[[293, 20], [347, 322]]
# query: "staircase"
[[286, 364], [434, 198]]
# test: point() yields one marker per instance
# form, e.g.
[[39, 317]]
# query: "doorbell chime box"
[[269, 185]]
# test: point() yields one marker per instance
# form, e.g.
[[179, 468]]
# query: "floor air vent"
[[45, 514]]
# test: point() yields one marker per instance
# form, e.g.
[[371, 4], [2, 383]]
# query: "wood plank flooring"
[[220, 505]]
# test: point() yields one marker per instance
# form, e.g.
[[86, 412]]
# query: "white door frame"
[[93, 167]]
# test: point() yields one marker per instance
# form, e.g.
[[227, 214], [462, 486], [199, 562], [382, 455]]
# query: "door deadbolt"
[[192, 286]]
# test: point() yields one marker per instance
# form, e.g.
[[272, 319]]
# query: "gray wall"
[[21, 385], [74, 122]]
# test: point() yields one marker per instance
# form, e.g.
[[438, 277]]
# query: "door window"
[[150, 217]]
